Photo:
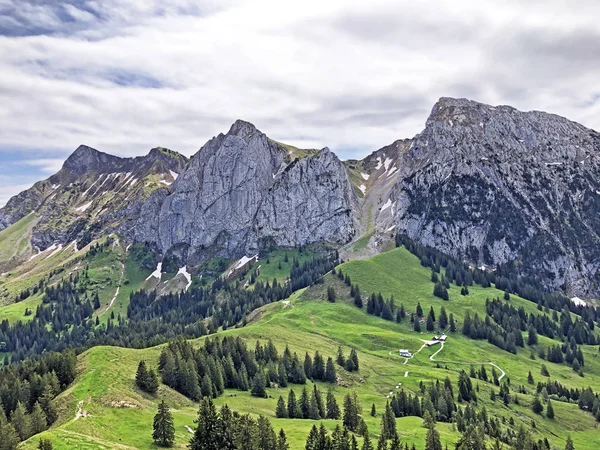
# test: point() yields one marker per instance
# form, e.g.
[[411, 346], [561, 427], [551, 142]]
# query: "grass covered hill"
[[103, 408]]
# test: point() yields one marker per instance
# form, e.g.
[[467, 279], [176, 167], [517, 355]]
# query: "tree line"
[[228, 363]]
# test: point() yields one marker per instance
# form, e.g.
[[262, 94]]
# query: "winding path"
[[432, 358], [466, 363]]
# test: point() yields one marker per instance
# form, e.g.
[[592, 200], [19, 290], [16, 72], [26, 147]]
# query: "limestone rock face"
[[493, 184], [240, 192], [311, 201]]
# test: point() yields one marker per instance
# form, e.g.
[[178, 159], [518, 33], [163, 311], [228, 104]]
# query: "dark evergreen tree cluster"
[[309, 405], [65, 318], [228, 430], [350, 363], [229, 363], [506, 278], [146, 379], [27, 390]]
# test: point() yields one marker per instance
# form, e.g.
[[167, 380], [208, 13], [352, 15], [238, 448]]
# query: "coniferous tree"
[[367, 445], [388, 422], [281, 411], [282, 443], [432, 439], [341, 359], [569, 444], [209, 433], [38, 419], [351, 416], [305, 404], [20, 420], [549, 410], [536, 405], [333, 410], [164, 429], [45, 444], [330, 374], [382, 443], [259, 385]]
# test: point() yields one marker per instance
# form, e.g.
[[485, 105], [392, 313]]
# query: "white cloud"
[[126, 76]]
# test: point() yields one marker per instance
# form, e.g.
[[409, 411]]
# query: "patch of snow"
[[93, 184], [392, 171], [387, 163], [483, 158], [363, 188], [365, 176], [168, 183], [183, 271], [127, 249], [578, 301], [174, 174], [598, 192], [391, 228], [55, 186], [132, 182], [379, 163], [386, 205], [554, 164], [451, 123], [56, 250], [393, 206], [481, 124], [242, 262], [189, 429], [157, 273], [83, 207], [74, 245]]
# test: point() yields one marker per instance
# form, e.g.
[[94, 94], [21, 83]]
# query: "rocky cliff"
[[242, 191], [493, 184]]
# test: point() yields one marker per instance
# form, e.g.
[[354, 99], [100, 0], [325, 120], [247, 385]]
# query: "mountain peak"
[[85, 158], [241, 128]]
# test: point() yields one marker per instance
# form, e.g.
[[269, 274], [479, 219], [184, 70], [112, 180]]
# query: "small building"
[[405, 353], [443, 338]]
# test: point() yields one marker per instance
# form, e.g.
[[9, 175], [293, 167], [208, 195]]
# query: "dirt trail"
[[503, 373], [112, 301]]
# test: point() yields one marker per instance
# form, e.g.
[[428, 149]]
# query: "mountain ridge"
[[487, 184]]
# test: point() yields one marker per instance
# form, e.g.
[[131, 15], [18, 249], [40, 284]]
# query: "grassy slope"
[[15, 239], [107, 374]]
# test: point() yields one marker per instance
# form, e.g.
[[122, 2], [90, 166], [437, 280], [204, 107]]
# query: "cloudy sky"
[[124, 76]]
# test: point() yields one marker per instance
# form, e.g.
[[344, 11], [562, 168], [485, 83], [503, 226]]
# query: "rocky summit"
[[492, 186]]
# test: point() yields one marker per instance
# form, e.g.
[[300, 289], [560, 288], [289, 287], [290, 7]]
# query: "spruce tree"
[[38, 419], [282, 443], [330, 374], [164, 429], [45, 444], [259, 385], [367, 442], [281, 412], [313, 409], [333, 410], [20, 420], [569, 444], [432, 439], [549, 410], [208, 433], [382, 443], [536, 405], [305, 404]]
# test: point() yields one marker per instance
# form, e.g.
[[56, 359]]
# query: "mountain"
[[492, 186], [242, 192], [94, 194]]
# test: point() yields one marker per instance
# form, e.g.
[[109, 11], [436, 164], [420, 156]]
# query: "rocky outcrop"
[[311, 201], [241, 192], [493, 184]]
